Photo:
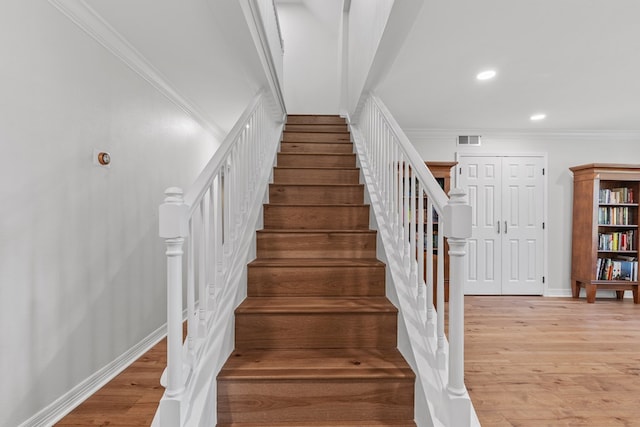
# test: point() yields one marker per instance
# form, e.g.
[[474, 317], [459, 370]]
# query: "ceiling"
[[577, 61]]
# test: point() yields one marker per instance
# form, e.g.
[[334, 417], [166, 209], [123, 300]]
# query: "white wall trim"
[[558, 293], [78, 394], [515, 134], [85, 17]]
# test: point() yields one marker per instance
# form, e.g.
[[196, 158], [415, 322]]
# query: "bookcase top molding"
[[616, 166], [612, 171]]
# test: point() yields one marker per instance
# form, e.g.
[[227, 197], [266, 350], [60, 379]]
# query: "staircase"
[[315, 341]]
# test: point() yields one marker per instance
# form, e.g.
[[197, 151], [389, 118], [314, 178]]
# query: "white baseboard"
[[74, 397], [558, 293]]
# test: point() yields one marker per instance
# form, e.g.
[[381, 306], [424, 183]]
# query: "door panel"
[[482, 183], [506, 248], [523, 210]]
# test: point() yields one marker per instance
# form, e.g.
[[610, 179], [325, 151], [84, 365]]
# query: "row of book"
[[435, 240], [617, 269], [615, 215], [424, 215], [619, 241], [616, 195]]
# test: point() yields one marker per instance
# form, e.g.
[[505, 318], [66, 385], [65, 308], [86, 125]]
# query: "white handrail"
[[405, 197], [217, 219]]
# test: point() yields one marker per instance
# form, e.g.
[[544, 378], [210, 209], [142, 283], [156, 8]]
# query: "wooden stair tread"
[[324, 364], [317, 185], [317, 129], [316, 262], [337, 128], [317, 133], [319, 205], [316, 304], [328, 168], [317, 154], [314, 231], [389, 423], [315, 119], [322, 138]]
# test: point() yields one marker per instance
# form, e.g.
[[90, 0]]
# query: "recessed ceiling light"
[[486, 75], [537, 117]]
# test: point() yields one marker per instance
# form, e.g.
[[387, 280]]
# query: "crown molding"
[[520, 134], [85, 17]]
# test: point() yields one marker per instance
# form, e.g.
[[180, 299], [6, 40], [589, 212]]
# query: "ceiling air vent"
[[469, 140]]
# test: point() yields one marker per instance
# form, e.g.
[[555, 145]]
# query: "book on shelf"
[[435, 241], [626, 270], [617, 241], [614, 215], [615, 196], [622, 268]]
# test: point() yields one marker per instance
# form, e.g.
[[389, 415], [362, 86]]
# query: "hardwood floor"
[[130, 399], [530, 361], [533, 361]]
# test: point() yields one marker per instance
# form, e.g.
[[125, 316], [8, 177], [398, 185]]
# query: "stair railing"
[[209, 230], [404, 194]]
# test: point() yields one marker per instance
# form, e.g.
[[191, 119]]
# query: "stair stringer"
[[417, 345]]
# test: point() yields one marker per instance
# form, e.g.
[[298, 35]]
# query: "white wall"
[[563, 151], [82, 273], [367, 20], [202, 47], [311, 55]]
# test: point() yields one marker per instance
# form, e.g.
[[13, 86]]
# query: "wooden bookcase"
[[605, 229], [442, 173]]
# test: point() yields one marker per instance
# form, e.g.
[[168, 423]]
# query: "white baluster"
[[218, 212], [173, 227], [393, 210], [192, 324], [211, 249], [413, 273], [422, 259], [202, 270], [405, 214], [441, 357], [430, 302], [226, 203]]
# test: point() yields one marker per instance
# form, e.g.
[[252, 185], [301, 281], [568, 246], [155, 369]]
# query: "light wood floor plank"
[[533, 361]]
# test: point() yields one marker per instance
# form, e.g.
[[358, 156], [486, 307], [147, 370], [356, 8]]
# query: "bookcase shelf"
[[605, 229], [442, 173]]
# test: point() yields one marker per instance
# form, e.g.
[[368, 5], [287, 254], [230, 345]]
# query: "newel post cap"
[[457, 215], [173, 215]]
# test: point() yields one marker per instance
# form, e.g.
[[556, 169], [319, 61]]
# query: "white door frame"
[[545, 261]]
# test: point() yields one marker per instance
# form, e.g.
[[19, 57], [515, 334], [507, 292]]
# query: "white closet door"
[[522, 218], [506, 249], [481, 179]]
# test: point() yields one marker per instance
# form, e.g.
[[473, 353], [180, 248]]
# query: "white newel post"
[[173, 225], [457, 229]]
